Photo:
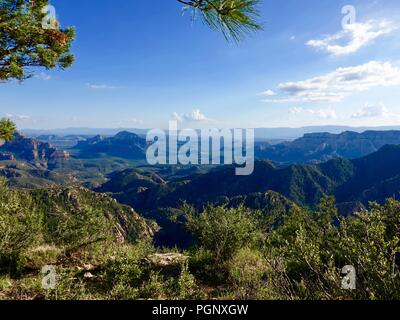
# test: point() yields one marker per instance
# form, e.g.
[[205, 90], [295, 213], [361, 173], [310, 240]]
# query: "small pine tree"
[[7, 130]]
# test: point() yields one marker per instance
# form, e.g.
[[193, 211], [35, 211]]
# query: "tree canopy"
[[7, 129], [28, 38]]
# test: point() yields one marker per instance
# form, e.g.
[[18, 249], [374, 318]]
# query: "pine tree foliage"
[[26, 43], [7, 129], [234, 18]]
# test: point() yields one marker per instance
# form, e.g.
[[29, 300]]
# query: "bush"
[[154, 288], [124, 265], [122, 291], [223, 231], [370, 242], [37, 258], [75, 230], [315, 246], [247, 270], [20, 227], [186, 286]]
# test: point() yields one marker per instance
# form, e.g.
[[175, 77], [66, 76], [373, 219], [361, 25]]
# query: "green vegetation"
[[7, 130], [301, 258], [103, 250], [234, 18], [24, 43], [355, 182], [65, 219]]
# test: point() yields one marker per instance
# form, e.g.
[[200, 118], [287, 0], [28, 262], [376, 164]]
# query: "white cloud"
[[339, 84], [328, 113], [371, 111], [356, 36], [194, 116], [324, 113], [176, 117], [101, 86], [268, 93]]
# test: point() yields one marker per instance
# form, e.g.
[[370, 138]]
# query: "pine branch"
[[234, 18]]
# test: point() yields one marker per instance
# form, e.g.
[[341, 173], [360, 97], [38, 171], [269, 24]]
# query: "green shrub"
[[316, 245], [247, 269], [155, 287], [186, 286], [122, 291], [5, 283], [202, 264], [370, 242], [75, 230], [37, 258], [123, 265], [20, 227], [223, 231]]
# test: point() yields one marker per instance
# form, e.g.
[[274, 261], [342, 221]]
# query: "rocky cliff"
[[31, 150]]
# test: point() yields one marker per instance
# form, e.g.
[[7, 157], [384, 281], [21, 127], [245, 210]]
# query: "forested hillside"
[[102, 250]]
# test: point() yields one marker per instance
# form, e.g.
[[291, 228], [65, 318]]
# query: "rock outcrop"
[[31, 150]]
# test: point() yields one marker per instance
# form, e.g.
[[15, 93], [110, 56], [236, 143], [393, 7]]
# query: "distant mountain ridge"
[[124, 144], [320, 147], [373, 177], [311, 148], [32, 150], [260, 133]]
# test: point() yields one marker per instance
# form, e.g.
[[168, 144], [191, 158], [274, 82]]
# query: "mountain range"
[[32, 163], [354, 167], [260, 133], [310, 148], [271, 189], [124, 144], [95, 158], [320, 147], [370, 178]]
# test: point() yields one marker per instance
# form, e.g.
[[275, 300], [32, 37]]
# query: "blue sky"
[[141, 63]]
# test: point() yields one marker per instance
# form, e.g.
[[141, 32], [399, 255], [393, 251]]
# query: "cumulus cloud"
[[355, 36], [194, 116], [371, 111], [339, 84], [268, 93], [176, 117], [328, 113], [324, 113]]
